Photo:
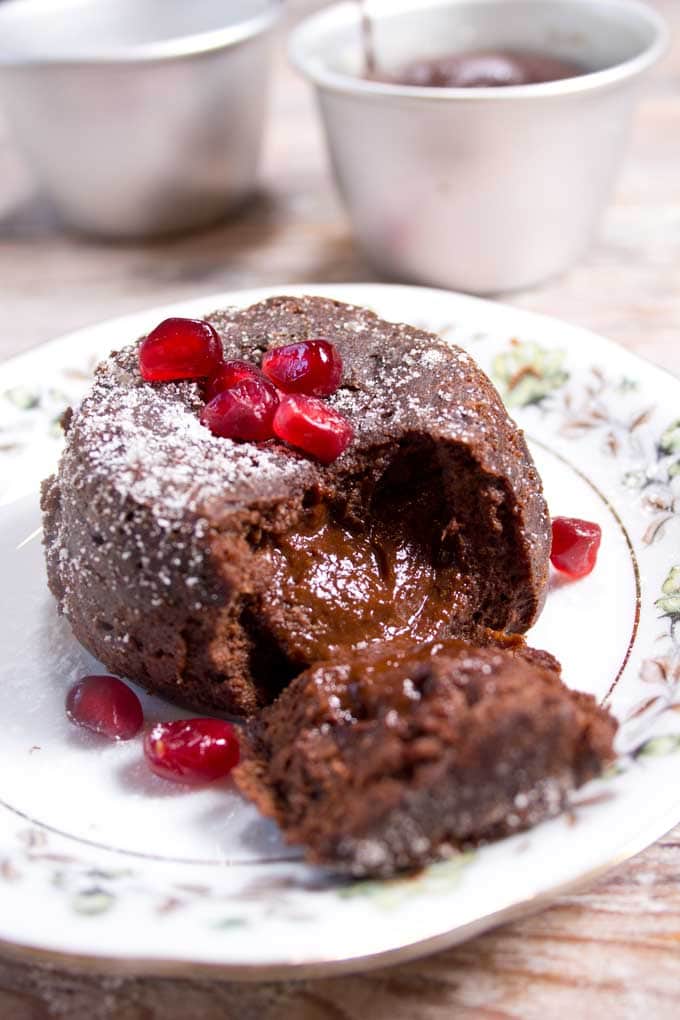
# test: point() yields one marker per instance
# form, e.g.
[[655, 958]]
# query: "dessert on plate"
[[327, 523]]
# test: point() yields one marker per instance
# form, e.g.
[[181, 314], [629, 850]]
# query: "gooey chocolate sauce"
[[489, 68], [485, 69], [358, 585]]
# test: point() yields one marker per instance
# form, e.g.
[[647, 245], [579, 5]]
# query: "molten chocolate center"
[[394, 567], [352, 585]]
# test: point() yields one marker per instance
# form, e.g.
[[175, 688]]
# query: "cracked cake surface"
[[212, 572], [394, 756]]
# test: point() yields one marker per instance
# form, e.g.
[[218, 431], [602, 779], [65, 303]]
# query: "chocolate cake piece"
[[394, 756], [212, 572]]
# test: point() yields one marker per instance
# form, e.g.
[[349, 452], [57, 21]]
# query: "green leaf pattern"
[[669, 603], [527, 373]]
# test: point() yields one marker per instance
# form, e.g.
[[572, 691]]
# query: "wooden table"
[[612, 951]]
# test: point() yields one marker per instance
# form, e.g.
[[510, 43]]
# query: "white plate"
[[103, 862]]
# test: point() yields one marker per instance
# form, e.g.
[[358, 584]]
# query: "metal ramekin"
[[139, 117], [487, 189]]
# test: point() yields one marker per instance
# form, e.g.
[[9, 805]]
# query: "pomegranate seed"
[[180, 349], [106, 705], [228, 375], [313, 367], [244, 412], [574, 545], [192, 750], [312, 426]]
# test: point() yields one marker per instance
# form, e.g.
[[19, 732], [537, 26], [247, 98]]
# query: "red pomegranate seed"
[[228, 375], [192, 750], [106, 705], [574, 545], [180, 349], [244, 412], [312, 426], [313, 367]]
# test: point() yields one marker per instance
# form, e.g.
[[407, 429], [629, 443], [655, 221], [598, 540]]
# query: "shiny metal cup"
[[486, 189], [139, 117]]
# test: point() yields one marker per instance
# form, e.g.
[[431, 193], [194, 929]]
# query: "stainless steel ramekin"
[[486, 189], [139, 117]]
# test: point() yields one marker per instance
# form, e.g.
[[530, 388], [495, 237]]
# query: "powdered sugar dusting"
[[147, 442]]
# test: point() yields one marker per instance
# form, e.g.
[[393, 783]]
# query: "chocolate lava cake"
[[213, 572], [394, 756]]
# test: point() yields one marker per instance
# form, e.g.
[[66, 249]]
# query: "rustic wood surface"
[[612, 951]]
